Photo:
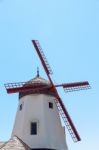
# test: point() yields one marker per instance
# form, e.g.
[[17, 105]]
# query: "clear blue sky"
[[68, 31]]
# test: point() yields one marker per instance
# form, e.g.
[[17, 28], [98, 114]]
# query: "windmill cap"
[[37, 81]]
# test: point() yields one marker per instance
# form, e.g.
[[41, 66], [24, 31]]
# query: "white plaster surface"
[[50, 133]]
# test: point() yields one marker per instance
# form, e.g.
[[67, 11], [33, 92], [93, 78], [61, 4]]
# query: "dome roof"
[[40, 83]]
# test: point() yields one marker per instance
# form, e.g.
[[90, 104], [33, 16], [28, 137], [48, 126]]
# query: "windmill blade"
[[67, 120], [42, 57], [23, 87], [76, 86]]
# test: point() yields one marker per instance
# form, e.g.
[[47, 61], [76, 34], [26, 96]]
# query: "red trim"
[[25, 89], [67, 85]]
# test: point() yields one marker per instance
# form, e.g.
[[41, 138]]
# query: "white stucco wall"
[[50, 133]]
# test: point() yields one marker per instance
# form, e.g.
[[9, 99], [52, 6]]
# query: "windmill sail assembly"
[[40, 107]]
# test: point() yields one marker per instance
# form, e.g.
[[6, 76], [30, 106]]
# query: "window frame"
[[20, 107], [50, 104], [34, 125]]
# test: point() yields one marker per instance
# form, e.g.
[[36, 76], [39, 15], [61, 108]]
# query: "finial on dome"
[[38, 72]]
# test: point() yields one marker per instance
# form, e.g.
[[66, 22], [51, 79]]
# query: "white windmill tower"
[[37, 120]]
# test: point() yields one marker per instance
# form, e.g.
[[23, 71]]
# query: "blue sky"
[[69, 34]]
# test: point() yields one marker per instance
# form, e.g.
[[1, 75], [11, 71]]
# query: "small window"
[[34, 128], [50, 105], [20, 107]]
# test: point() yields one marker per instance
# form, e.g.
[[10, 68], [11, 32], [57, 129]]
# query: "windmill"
[[23, 87]]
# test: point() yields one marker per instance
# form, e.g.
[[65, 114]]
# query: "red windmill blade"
[[67, 120], [42, 57], [76, 86], [24, 87], [64, 113]]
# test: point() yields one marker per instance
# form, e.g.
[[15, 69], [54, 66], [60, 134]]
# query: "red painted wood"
[[66, 114], [27, 88], [76, 84]]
